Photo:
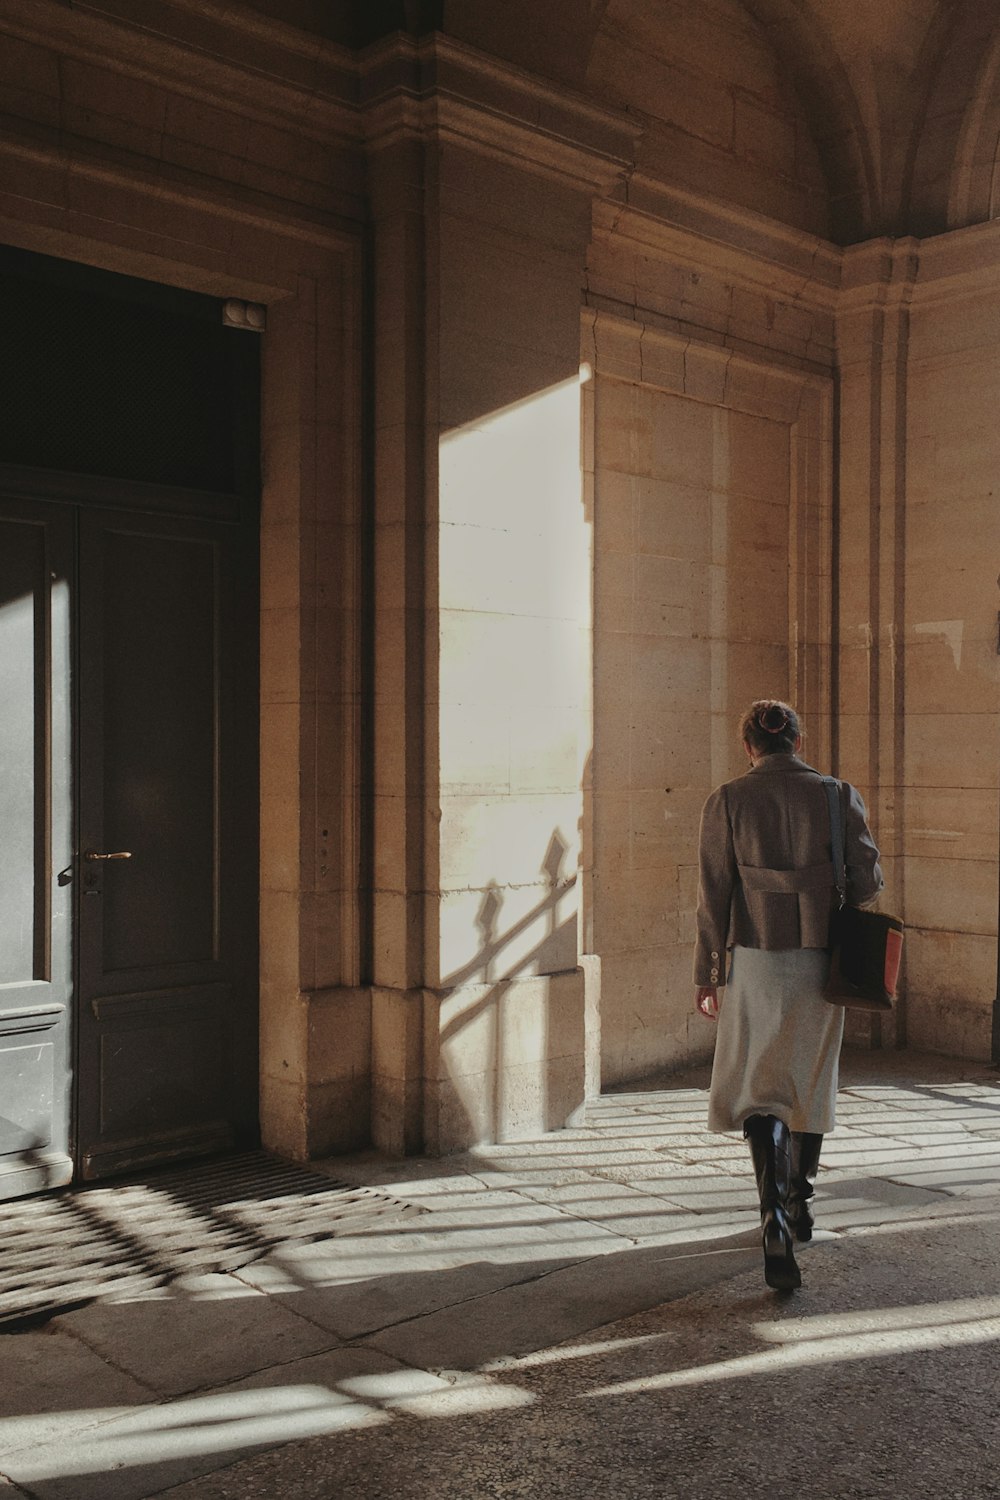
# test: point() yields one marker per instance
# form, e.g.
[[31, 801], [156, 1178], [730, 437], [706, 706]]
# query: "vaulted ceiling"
[[901, 98]]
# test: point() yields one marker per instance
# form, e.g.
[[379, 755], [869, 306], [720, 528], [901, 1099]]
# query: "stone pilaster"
[[482, 593], [872, 338]]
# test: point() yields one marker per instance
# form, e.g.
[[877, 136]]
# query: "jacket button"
[[715, 955]]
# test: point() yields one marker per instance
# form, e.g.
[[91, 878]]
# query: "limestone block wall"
[[691, 582], [501, 670], [504, 1031], [919, 687], [483, 633], [716, 105], [951, 665], [712, 535]]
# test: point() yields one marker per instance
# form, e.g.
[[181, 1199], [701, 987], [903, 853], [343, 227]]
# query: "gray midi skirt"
[[777, 1051]]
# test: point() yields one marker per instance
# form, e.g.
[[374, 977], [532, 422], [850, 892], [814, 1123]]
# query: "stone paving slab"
[[877, 1380], [704, 1228], [637, 1214], [624, 1209], [663, 1168], [468, 1238], [200, 1331], [918, 1133], [54, 1384], [886, 1154], [352, 1309], [688, 1196], [134, 1455], [564, 1304], [722, 1152], [952, 1178]]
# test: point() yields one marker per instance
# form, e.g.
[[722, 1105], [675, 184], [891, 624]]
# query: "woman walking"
[[766, 894]]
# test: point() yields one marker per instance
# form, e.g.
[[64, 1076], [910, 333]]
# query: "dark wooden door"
[[167, 995], [154, 1054]]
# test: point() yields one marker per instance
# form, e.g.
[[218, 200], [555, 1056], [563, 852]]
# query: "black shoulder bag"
[[866, 946]]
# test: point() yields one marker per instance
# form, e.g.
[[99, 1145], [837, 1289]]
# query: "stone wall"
[[712, 529], [510, 612], [919, 685], [483, 601], [716, 105], [951, 663]]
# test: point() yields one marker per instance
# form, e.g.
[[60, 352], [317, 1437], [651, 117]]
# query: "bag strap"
[[832, 786]]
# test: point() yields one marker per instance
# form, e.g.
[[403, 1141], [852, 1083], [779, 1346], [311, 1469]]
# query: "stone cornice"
[[744, 248], [879, 273], [921, 273], [435, 88], [264, 70], [439, 87], [766, 385], [57, 161], [233, 60], [730, 224], [962, 263]]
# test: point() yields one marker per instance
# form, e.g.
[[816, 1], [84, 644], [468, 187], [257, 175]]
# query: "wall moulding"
[[945, 268], [438, 88], [441, 65], [879, 274], [260, 68], [623, 349], [747, 249], [69, 185], [467, 125]]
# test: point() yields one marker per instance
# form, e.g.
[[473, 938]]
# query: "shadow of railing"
[[94, 1241], [492, 965]]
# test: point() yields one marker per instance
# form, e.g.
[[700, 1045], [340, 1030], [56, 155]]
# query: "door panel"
[[36, 559], [158, 646], [167, 978]]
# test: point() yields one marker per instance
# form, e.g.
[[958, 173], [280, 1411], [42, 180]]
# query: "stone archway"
[[955, 152], [831, 107]]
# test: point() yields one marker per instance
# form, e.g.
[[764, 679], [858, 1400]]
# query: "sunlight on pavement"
[[233, 1422], [205, 1426], [802, 1351], [561, 1355], [876, 1319]]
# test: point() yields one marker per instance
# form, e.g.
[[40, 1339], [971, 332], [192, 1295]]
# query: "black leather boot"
[[770, 1148], [806, 1146]]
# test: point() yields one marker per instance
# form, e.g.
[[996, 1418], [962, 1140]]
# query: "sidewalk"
[[578, 1315]]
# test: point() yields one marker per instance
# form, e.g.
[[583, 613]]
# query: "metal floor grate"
[[65, 1249]]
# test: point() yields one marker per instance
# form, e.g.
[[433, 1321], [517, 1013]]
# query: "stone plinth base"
[[453, 1068], [316, 1075]]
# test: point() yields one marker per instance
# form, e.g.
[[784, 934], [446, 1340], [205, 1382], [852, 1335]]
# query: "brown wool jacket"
[[765, 863]]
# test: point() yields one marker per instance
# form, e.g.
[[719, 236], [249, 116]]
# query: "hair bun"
[[772, 719]]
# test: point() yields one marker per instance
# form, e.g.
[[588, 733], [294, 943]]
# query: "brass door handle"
[[91, 854]]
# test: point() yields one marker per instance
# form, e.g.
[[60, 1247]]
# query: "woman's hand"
[[707, 1001]]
